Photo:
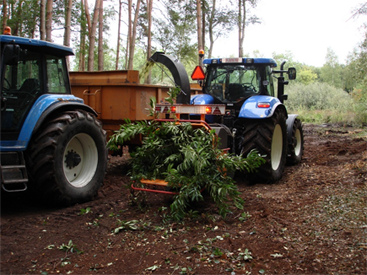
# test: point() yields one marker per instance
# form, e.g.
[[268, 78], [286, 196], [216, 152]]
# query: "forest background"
[[332, 93]]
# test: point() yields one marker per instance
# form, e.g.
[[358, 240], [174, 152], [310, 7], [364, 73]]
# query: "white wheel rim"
[[81, 174], [297, 148], [276, 147]]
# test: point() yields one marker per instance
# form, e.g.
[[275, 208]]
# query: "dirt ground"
[[313, 221]]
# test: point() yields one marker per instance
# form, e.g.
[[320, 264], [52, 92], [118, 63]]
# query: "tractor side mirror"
[[292, 73]]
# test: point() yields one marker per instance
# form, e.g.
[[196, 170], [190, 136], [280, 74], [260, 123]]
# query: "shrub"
[[323, 103], [318, 96], [360, 106]]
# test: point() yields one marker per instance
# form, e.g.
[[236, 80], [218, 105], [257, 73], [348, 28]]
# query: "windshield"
[[231, 83]]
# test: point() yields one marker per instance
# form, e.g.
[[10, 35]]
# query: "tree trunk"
[[149, 46], [18, 26], [67, 27], [203, 24], [82, 39], [87, 15], [32, 31], [67, 31], [118, 36], [210, 29], [132, 41], [92, 37], [100, 37], [49, 20], [42, 20], [199, 28], [88, 31], [5, 15], [129, 8], [241, 25], [82, 52]]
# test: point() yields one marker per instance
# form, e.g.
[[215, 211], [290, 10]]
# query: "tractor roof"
[[40, 44], [241, 60]]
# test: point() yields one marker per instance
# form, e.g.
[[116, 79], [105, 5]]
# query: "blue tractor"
[[50, 141], [253, 117]]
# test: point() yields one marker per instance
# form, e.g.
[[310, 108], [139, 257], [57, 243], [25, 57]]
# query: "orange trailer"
[[116, 95]]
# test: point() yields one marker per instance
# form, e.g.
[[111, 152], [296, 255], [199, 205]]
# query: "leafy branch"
[[187, 159]]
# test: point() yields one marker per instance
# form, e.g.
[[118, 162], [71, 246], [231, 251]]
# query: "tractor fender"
[[250, 108], [178, 72], [290, 121], [201, 99], [45, 106]]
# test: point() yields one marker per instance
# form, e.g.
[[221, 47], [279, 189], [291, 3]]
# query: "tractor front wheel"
[[68, 157]]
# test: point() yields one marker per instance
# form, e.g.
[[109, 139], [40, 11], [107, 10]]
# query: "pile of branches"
[[188, 159]]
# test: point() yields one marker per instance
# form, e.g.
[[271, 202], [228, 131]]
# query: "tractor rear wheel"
[[68, 157], [296, 146], [269, 138]]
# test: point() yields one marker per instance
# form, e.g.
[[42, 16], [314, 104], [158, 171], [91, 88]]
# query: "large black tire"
[[68, 157], [296, 146], [269, 138]]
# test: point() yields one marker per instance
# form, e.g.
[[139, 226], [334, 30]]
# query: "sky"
[[307, 28]]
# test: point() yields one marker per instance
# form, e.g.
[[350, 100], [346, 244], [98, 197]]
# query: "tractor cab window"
[[24, 76], [20, 88], [234, 82], [268, 82], [56, 75]]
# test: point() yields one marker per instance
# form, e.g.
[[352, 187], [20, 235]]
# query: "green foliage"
[[357, 65], [23, 17], [174, 32], [84, 211], [288, 58], [172, 95], [334, 93], [244, 216], [306, 76], [323, 103], [318, 96], [70, 247], [186, 158], [126, 225], [332, 72], [160, 74], [246, 255], [219, 22], [360, 107]]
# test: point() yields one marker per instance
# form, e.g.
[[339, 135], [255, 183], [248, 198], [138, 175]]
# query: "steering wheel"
[[34, 92], [248, 86], [7, 83]]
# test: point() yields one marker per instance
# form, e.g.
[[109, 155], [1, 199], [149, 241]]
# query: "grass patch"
[[328, 116]]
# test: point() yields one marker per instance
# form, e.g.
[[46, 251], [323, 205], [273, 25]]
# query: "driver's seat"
[[235, 91], [30, 84]]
